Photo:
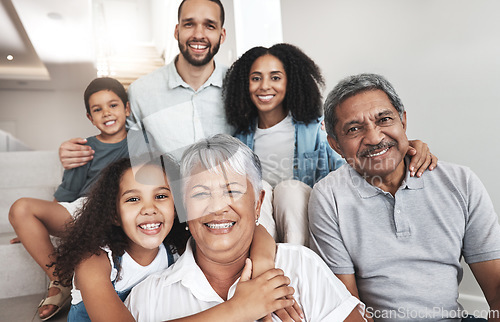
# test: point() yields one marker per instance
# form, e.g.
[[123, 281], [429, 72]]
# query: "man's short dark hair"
[[108, 84], [222, 15]]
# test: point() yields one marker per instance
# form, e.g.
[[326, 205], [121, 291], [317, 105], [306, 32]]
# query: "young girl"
[[272, 96], [127, 230]]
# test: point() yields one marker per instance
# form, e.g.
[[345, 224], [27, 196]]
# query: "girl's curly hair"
[[303, 91], [95, 224]]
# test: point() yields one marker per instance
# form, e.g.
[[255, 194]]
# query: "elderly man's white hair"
[[222, 150]]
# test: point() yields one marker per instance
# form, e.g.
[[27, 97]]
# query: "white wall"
[[227, 51], [442, 56], [257, 23], [43, 119]]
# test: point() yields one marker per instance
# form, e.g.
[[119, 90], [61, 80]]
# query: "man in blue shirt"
[[182, 100]]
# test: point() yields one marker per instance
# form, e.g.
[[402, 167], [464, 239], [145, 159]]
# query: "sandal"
[[59, 300]]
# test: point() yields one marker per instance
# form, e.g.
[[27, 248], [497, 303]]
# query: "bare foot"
[[47, 310], [15, 240]]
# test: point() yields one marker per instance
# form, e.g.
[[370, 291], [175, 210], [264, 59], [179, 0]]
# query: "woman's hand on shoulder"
[[421, 158]]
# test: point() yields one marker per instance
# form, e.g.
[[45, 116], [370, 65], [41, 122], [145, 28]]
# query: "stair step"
[[34, 174], [24, 308], [9, 196], [22, 275]]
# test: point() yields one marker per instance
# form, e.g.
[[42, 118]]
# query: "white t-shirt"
[[131, 272], [184, 290], [275, 147]]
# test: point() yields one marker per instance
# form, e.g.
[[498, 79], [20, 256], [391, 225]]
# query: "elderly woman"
[[223, 195]]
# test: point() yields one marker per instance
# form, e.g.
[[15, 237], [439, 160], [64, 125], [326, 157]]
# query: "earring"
[[257, 222], [187, 227]]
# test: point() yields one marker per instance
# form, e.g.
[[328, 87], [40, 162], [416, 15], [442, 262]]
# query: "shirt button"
[[398, 211]]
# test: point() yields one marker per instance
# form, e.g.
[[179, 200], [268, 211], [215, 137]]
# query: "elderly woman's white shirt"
[[183, 289]]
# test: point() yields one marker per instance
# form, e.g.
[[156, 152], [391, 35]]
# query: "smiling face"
[[370, 135], [267, 85], [146, 208], [109, 115], [222, 210], [199, 32]]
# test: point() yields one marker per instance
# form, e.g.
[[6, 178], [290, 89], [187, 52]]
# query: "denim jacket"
[[313, 156]]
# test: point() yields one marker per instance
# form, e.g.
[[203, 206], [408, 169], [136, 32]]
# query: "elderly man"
[[395, 240], [223, 193]]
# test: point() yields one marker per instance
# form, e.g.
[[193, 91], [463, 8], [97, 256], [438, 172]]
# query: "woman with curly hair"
[[127, 230], [272, 96]]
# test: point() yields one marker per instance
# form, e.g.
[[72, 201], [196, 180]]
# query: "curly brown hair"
[[303, 91], [95, 224]]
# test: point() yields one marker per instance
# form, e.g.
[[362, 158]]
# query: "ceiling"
[[56, 44]]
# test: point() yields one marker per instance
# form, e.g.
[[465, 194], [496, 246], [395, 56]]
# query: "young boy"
[[34, 220]]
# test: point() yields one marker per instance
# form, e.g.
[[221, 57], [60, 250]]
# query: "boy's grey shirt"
[[77, 182]]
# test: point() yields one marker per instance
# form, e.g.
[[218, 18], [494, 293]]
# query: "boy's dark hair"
[[303, 90], [222, 14], [108, 84], [96, 226]]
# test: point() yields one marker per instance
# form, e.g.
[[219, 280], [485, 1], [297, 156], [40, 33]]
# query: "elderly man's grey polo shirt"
[[173, 113], [405, 251]]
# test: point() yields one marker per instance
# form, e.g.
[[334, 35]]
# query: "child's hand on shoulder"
[[259, 297]]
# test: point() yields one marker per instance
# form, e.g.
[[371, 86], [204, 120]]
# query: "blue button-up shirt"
[[172, 113]]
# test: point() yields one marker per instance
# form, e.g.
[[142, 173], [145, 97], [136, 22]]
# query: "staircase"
[[127, 66], [23, 284]]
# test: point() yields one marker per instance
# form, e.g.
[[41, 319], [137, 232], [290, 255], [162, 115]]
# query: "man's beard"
[[212, 51]]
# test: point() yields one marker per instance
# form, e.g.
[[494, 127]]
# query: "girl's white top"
[[131, 272]]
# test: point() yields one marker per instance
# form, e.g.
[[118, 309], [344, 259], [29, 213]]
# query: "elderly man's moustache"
[[382, 145]]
